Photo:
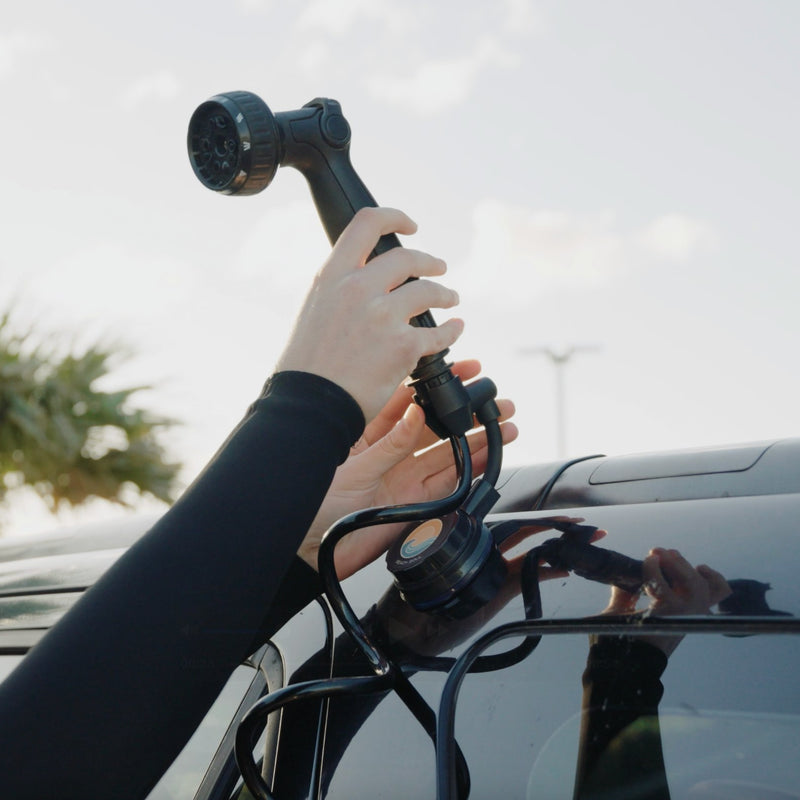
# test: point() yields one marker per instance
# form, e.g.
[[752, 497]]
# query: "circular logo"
[[421, 538]]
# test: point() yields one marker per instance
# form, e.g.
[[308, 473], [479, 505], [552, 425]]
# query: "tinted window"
[[728, 723], [184, 776]]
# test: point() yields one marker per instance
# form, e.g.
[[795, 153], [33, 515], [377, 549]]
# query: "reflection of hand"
[[353, 328], [674, 587], [395, 462], [678, 588]]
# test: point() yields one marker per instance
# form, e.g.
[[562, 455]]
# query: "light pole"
[[559, 359]]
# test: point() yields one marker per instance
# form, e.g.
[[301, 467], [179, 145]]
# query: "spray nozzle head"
[[234, 143]]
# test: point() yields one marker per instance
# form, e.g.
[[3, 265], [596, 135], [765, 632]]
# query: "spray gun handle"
[[236, 145], [316, 141]]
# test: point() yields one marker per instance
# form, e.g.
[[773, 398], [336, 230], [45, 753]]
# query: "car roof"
[[42, 576]]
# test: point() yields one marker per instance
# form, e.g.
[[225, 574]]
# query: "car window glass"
[[7, 663], [730, 705], [708, 754], [182, 779]]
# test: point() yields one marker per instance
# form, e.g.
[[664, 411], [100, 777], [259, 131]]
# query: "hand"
[[395, 462], [674, 587], [353, 328]]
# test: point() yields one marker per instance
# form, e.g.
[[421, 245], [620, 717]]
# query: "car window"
[[206, 768], [183, 778], [727, 725], [7, 664], [707, 753]]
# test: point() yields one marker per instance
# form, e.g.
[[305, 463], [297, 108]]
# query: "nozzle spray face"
[[234, 143]]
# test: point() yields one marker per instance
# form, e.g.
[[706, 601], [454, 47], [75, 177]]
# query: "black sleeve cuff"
[[343, 411]]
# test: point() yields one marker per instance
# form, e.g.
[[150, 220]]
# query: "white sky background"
[[616, 174]]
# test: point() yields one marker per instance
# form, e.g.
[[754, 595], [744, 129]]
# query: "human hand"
[[354, 326], [398, 460], [674, 587]]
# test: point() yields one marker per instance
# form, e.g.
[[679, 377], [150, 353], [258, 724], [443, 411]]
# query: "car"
[[524, 700]]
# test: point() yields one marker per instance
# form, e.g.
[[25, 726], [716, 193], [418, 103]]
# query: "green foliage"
[[66, 439]]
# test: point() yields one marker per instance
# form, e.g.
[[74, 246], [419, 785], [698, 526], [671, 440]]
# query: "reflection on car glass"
[[620, 743]]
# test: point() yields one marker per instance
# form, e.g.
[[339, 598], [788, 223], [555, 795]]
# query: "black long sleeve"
[[620, 747], [106, 701]]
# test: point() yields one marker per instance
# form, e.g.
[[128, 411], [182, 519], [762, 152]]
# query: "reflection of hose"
[[593, 563], [573, 552]]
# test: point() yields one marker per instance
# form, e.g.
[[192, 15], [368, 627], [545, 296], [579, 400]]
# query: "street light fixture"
[[559, 359]]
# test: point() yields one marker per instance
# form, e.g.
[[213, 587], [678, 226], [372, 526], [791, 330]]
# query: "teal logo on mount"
[[413, 548], [421, 538]]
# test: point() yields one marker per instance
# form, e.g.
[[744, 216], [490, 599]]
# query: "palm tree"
[[68, 440]]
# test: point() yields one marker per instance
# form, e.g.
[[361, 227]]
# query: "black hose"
[[494, 440], [377, 516]]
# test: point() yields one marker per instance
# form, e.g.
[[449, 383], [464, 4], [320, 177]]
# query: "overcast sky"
[[617, 175]]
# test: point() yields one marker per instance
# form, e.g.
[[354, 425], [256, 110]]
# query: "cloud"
[[254, 6], [543, 250], [520, 18], [336, 17], [419, 67], [438, 85], [15, 47], [279, 249], [675, 237], [160, 86], [104, 287]]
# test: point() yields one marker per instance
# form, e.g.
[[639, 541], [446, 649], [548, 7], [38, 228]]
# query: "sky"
[[617, 177]]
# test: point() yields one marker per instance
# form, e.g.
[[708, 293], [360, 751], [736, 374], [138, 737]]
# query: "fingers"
[[719, 588], [434, 340], [390, 269], [390, 414], [360, 237], [677, 587], [531, 530], [467, 368], [417, 297], [403, 396], [654, 581], [477, 438], [400, 442], [394, 269], [353, 330], [439, 469]]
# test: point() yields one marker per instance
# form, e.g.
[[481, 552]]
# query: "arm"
[[620, 741], [118, 687], [110, 696]]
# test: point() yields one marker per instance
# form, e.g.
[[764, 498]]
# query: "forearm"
[[124, 679], [620, 743]]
